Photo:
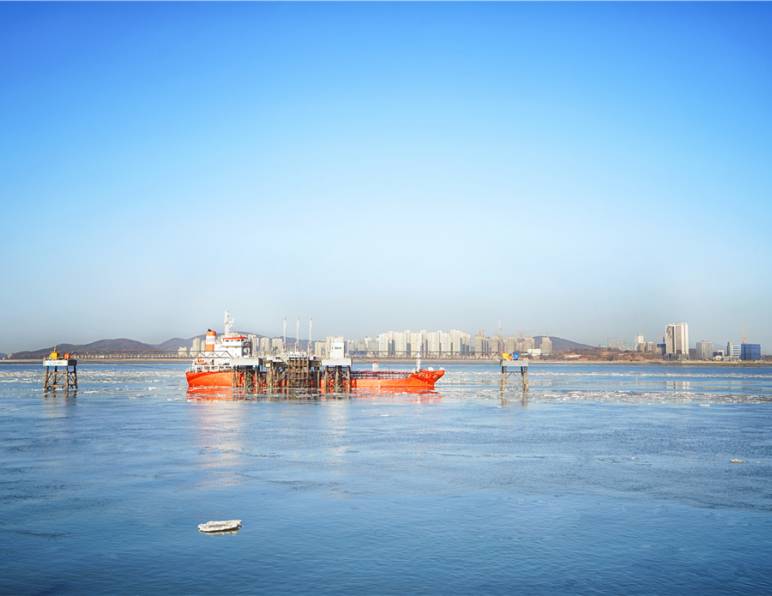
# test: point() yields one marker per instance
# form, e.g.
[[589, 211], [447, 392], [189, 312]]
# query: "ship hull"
[[422, 380], [210, 378]]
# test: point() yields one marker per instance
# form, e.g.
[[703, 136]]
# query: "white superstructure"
[[221, 351]]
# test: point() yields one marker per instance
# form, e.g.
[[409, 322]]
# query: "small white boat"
[[228, 525]]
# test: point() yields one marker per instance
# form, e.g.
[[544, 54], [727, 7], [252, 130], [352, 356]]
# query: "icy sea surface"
[[605, 479]]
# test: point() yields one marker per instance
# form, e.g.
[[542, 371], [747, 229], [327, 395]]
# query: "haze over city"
[[585, 171]]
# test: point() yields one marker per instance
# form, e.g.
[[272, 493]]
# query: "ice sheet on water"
[[638, 384]]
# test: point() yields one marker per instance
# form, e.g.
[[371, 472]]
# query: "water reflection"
[[59, 404], [508, 398], [220, 420], [230, 394], [60, 392], [679, 385]]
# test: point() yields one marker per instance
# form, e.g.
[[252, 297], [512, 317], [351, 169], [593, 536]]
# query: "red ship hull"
[[422, 380], [210, 379]]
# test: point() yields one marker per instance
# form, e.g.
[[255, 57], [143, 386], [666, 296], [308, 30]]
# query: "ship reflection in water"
[[231, 394]]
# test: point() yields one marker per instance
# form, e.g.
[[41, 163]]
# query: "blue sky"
[[585, 170]]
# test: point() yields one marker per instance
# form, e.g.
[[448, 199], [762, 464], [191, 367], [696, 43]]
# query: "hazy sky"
[[584, 170]]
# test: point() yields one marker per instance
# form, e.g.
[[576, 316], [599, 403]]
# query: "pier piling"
[[509, 367], [60, 373]]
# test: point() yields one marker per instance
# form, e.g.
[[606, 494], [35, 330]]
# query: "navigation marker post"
[[512, 364], [60, 373]]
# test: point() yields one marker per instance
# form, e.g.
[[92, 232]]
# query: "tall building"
[[433, 343], [445, 345], [254, 343], [416, 343], [704, 350], [733, 351], [546, 346], [750, 351], [400, 343], [640, 343], [320, 349], [480, 344], [677, 341], [277, 345], [459, 342], [386, 343], [195, 347]]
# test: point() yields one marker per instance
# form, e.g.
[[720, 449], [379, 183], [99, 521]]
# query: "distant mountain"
[[113, 346], [102, 346]]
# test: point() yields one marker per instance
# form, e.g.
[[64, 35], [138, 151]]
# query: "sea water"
[[602, 478]]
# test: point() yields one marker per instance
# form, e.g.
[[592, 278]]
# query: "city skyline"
[[591, 171], [672, 343]]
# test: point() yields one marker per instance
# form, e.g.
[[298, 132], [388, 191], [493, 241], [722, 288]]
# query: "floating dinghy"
[[228, 525]]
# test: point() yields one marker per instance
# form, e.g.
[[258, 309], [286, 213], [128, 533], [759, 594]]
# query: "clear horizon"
[[588, 171]]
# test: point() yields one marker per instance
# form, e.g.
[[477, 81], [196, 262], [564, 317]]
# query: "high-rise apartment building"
[[416, 343], [705, 350], [460, 341], [445, 344], [480, 344], [733, 351], [433, 343], [677, 341], [640, 343], [400, 342], [386, 343]]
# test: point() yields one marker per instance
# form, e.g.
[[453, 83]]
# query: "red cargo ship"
[[214, 367]]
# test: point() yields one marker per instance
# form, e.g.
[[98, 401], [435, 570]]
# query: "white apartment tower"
[[677, 341]]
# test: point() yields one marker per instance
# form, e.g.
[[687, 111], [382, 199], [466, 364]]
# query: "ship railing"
[[379, 374], [209, 355]]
